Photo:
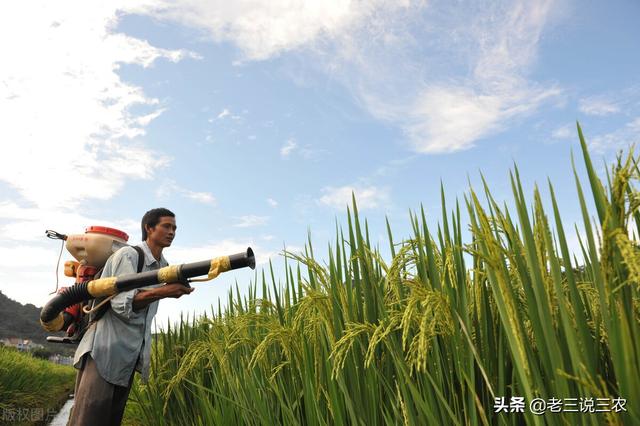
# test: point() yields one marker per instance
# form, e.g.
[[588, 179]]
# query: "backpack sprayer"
[[91, 251]]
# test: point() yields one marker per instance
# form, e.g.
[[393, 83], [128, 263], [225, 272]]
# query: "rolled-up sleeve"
[[123, 263], [122, 304]]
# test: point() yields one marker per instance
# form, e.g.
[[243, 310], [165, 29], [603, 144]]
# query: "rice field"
[[448, 331], [31, 389]]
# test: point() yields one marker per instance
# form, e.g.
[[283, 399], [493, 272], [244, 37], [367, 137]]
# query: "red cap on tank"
[[108, 231]]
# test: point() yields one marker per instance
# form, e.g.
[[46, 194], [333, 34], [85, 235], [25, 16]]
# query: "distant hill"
[[23, 321]]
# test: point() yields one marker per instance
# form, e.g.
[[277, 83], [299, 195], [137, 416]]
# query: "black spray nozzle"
[[241, 260]]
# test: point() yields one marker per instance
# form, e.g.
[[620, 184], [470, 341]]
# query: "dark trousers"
[[96, 401]]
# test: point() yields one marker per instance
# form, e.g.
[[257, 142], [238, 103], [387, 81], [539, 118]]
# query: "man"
[[120, 342]]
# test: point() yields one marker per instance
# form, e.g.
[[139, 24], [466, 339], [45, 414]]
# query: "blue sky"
[[254, 121]]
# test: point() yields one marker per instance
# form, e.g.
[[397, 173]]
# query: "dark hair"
[[152, 217]]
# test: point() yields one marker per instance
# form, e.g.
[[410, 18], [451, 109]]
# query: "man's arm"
[[127, 304], [145, 297]]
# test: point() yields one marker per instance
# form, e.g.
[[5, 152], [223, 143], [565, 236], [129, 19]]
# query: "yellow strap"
[[102, 287], [55, 324], [218, 265], [168, 274]]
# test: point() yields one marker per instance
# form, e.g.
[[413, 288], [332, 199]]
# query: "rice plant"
[[31, 389], [442, 333]]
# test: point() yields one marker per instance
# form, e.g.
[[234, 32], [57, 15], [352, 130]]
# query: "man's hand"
[[174, 290], [145, 297]]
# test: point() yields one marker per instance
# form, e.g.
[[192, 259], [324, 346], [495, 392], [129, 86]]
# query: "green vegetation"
[[31, 388], [23, 322], [434, 335]]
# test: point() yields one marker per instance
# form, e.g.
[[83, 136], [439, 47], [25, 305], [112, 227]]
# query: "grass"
[[31, 388], [432, 336]]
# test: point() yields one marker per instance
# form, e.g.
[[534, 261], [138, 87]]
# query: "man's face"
[[163, 233]]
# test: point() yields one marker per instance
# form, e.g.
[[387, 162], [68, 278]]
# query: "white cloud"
[[32, 285], [599, 106], [621, 138], [471, 81], [447, 119], [225, 112], [263, 29], [451, 118], [170, 188], [567, 131], [29, 256], [367, 197], [288, 147], [251, 221], [27, 224], [272, 202], [72, 124], [201, 197], [447, 74], [69, 133], [619, 102]]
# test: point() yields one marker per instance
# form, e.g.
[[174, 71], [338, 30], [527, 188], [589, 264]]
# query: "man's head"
[[159, 225]]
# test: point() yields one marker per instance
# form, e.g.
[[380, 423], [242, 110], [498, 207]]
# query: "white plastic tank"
[[96, 245]]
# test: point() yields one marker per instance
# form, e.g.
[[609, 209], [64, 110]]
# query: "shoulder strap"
[[100, 312], [140, 258]]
